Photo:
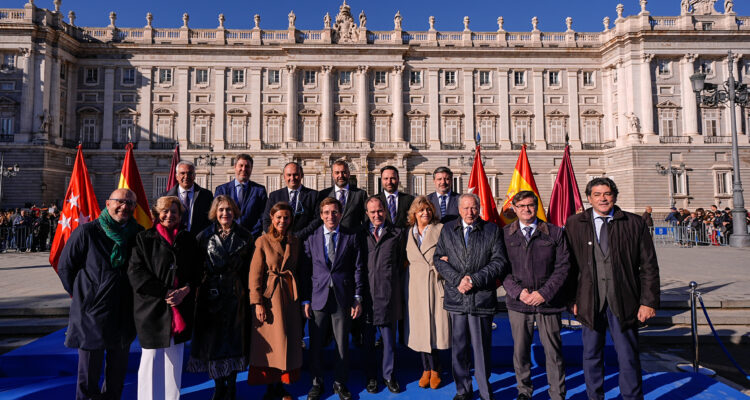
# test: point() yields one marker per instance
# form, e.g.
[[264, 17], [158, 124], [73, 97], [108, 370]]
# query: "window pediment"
[[309, 112], [556, 114], [164, 111], [380, 113], [452, 113], [345, 113], [667, 104], [486, 113], [273, 113], [126, 111], [416, 114], [7, 101], [200, 112], [522, 113], [238, 111], [89, 110], [592, 113]]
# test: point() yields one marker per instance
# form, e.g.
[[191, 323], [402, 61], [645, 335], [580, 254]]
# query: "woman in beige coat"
[[427, 323], [276, 334]]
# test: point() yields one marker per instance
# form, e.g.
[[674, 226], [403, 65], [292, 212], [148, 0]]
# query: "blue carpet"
[[45, 369]]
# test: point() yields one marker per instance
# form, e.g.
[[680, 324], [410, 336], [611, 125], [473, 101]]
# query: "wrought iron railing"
[[674, 139], [6, 138], [162, 145], [717, 139]]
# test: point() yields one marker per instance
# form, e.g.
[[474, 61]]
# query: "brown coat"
[[424, 296], [277, 342]]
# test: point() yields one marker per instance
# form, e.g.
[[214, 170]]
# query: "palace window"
[[309, 77], [588, 78], [450, 78], [201, 130], [382, 131], [273, 182], [91, 75], [706, 67], [6, 124], [591, 129], [457, 184], [201, 76], [9, 61], [664, 67], [310, 181], [164, 129], [417, 131], [346, 129], [452, 131], [88, 130], [165, 76], [274, 76], [238, 131], [553, 78], [723, 183], [556, 134], [417, 185], [126, 130], [381, 78], [519, 78], [160, 185], [487, 130], [273, 129], [310, 129], [128, 76], [345, 78], [415, 78], [484, 78], [522, 130], [711, 125], [667, 122], [63, 71], [238, 77], [679, 183]]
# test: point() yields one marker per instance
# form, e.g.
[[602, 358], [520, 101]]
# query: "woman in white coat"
[[427, 323]]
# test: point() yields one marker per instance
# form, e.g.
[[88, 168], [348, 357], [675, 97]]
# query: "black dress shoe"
[[465, 396], [393, 386], [523, 396], [372, 385], [341, 390], [315, 392]]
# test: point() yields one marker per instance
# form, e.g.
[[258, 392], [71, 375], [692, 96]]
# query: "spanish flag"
[[130, 178], [522, 179]]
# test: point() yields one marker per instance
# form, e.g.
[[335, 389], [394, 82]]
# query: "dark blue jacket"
[[483, 260], [451, 211], [251, 210], [307, 214], [101, 311], [346, 270]]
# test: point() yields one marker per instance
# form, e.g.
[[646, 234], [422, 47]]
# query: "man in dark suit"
[[333, 283], [470, 256], [443, 198], [196, 200], [396, 203], [618, 285], [249, 196], [302, 200], [351, 197]]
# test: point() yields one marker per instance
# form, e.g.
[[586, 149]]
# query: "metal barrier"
[[685, 236], [21, 238]]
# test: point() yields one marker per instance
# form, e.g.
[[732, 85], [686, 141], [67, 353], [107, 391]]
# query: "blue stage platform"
[[45, 369]]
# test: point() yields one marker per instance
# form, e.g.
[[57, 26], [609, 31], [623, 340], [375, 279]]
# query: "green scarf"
[[120, 235]]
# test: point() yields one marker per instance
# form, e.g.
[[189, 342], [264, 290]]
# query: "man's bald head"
[[121, 204]]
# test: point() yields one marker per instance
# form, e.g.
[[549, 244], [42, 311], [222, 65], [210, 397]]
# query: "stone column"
[[538, 82], [469, 128], [144, 92], [70, 112], [608, 129], [689, 102], [291, 103], [647, 105], [504, 107], [108, 115], [256, 100], [363, 99], [434, 108], [220, 119], [45, 90], [738, 110], [183, 115], [398, 103], [574, 129], [622, 104], [54, 104], [326, 117], [27, 97]]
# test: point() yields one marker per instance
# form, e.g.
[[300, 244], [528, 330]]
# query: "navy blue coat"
[[451, 211], [483, 260], [385, 273], [251, 210], [347, 270], [307, 214], [101, 311]]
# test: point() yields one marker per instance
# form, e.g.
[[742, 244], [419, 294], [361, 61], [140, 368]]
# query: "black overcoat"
[[151, 276], [385, 274]]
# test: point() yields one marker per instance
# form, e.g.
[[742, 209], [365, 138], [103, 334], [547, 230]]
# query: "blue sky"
[[587, 14]]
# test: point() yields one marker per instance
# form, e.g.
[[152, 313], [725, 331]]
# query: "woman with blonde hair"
[[220, 340], [164, 269], [424, 292], [276, 338]]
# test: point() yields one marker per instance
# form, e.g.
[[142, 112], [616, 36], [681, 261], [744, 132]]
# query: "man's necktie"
[[443, 207], [604, 235], [293, 201], [241, 196], [185, 199], [466, 235], [392, 207], [342, 198], [375, 234], [527, 233]]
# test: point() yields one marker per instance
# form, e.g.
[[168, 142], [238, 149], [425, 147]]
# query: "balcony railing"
[[162, 145], [674, 139], [598, 146], [236, 146], [418, 146], [90, 145], [451, 146], [270, 146], [121, 145], [717, 139], [555, 146], [199, 146], [519, 146], [5, 138]]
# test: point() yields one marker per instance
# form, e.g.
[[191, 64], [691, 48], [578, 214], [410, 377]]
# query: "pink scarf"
[[178, 323]]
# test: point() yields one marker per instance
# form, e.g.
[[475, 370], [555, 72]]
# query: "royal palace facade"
[[621, 97]]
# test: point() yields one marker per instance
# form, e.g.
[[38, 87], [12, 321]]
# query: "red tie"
[[375, 234]]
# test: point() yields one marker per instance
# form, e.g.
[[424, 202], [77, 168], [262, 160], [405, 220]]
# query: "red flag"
[[130, 178], [80, 206], [172, 180], [479, 185], [522, 179], [566, 199]]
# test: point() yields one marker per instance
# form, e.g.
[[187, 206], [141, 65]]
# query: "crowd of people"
[[704, 226], [239, 273], [28, 229]]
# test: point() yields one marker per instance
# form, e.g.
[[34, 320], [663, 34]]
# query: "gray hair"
[[184, 162], [473, 197]]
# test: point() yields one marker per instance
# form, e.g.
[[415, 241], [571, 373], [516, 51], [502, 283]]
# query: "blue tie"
[[443, 208], [527, 235], [293, 201], [466, 235], [241, 194], [392, 207]]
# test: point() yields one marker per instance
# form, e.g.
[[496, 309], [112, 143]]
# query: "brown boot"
[[424, 381], [434, 379]]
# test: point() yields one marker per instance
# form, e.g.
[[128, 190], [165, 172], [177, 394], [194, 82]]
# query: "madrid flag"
[[479, 185], [130, 178], [522, 179], [172, 180], [80, 206], [566, 199]]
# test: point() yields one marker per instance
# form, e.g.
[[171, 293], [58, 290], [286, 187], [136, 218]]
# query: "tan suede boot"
[[424, 381], [434, 379]]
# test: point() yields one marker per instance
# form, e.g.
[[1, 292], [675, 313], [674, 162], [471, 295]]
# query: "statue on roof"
[[344, 27]]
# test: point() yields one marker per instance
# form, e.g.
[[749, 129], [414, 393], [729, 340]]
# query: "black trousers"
[[339, 320], [471, 335], [388, 333], [90, 371]]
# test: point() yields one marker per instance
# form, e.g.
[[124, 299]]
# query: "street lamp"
[[735, 93], [6, 172], [211, 160], [671, 172]]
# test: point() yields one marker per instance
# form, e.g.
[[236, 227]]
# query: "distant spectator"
[[673, 216], [22, 231], [647, 217]]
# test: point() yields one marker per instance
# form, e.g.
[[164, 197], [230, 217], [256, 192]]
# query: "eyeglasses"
[[129, 203], [529, 206]]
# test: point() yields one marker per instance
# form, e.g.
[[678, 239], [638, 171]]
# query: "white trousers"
[[160, 373]]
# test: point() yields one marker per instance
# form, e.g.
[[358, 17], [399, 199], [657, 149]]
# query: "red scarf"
[[178, 323]]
